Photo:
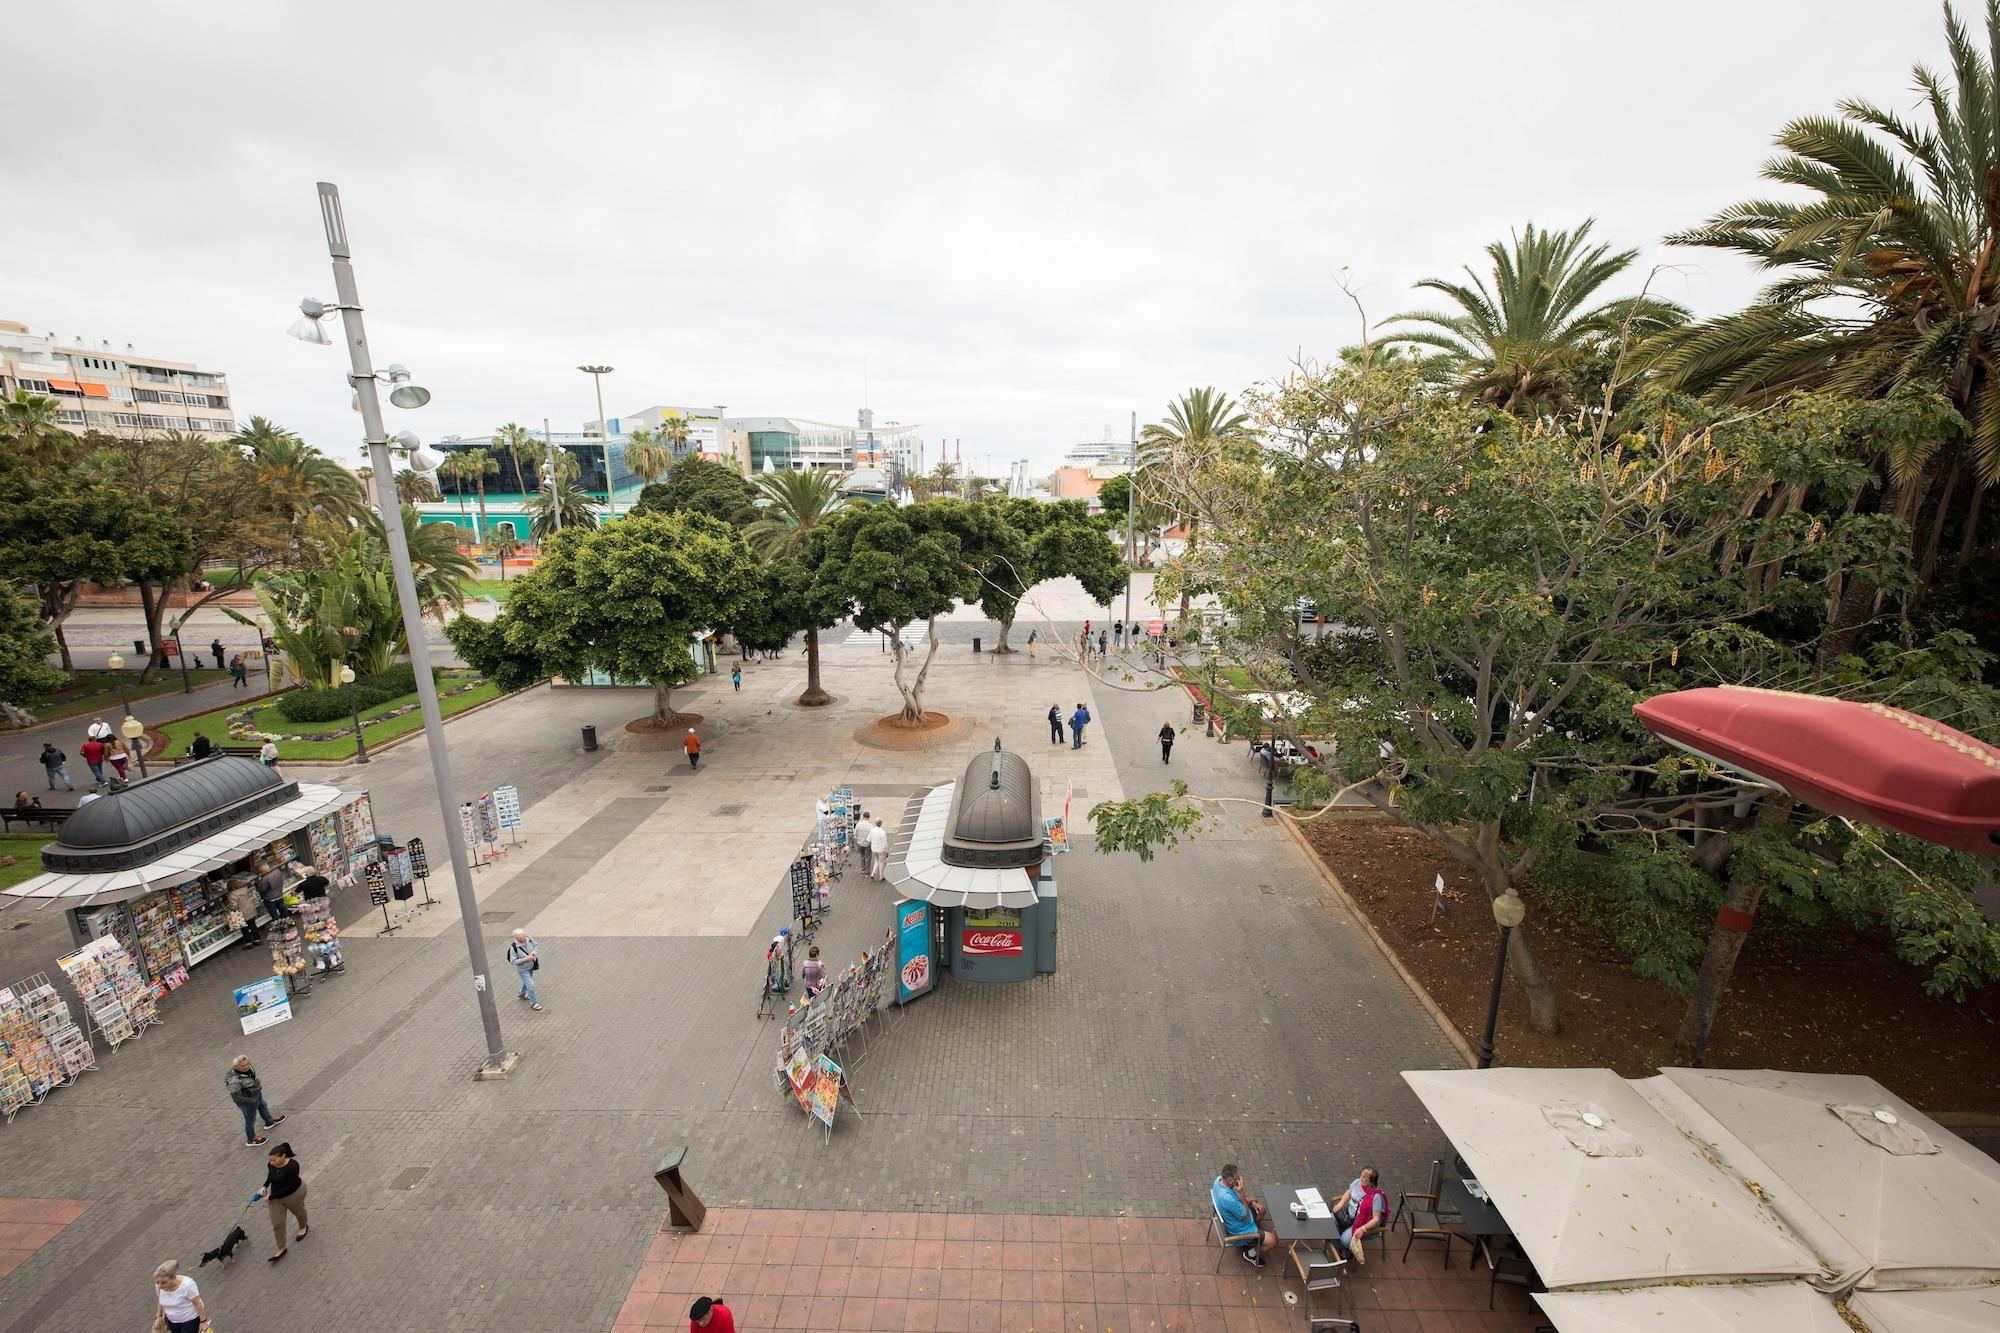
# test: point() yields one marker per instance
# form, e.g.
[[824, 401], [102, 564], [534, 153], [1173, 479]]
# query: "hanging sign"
[[420, 863], [802, 883], [508, 801], [913, 950], [262, 1004], [378, 883]]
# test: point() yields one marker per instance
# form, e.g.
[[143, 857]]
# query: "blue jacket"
[[1236, 1218]]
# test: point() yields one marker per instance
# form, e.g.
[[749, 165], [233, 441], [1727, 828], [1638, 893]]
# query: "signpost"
[[916, 970], [262, 1004]]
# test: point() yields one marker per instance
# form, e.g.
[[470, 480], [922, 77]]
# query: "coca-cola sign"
[[984, 942]]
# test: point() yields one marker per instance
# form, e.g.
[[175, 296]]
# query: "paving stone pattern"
[[1013, 1273], [1210, 1006]]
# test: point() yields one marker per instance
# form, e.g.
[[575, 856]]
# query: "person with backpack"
[[56, 765], [526, 956], [736, 678]]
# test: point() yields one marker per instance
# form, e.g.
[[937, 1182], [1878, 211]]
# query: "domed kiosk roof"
[[996, 814], [154, 808]]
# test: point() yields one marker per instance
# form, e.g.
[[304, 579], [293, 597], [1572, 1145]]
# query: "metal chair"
[[1319, 1275], [1425, 1220], [1224, 1239], [1511, 1267]]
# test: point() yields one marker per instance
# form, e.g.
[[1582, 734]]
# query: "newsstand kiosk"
[[982, 880]]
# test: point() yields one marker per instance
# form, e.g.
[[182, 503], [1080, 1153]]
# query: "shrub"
[[328, 705]]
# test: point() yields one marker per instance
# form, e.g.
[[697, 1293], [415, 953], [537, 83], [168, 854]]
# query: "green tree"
[[31, 427], [1204, 436], [891, 567], [1518, 344], [520, 446], [646, 456], [301, 481], [480, 464], [413, 487], [625, 599], [24, 650], [675, 430], [460, 466], [1057, 540], [501, 544], [695, 485], [798, 503], [578, 509], [1885, 278]]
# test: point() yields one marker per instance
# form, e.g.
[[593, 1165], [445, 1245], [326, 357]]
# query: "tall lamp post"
[[354, 706], [1508, 912], [134, 732], [499, 1060], [552, 476], [116, 665], [597, 374], [1131, 506]]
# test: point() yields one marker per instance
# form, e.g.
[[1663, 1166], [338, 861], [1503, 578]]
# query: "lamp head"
[[1508, 909], [409, 395], [595, 370], [132, 728], [346, 674], [425, 460], [115, 662]]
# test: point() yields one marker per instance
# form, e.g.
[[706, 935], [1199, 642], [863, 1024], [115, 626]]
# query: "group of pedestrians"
[[102, 749], [873, 840], [1077, 722]]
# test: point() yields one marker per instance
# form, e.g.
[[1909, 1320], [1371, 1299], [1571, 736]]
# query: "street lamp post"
[[116, 665], [1508, 912], [499, 1061], [134, 732], [597, 374], [552, 475], [354, 706], [180, 651], [1131, 506]]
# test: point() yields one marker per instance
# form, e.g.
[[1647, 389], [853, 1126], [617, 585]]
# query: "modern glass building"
[[604, 476]]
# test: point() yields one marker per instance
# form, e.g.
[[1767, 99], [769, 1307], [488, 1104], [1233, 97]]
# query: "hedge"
[[327, 705]]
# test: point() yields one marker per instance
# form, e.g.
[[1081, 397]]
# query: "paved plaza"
[[1211, 1005]]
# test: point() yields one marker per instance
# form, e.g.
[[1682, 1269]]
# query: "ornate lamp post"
[[134, 732], [1508, 912], [353, 703]]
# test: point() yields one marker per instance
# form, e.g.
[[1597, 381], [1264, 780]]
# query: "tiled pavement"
[[1016, 1273], [28, 1224]]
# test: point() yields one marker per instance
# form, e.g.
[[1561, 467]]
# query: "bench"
[[240, 751], [52, 818]]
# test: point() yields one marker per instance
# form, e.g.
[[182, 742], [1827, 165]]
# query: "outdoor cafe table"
[[1291, 1230], [1477, 1218]]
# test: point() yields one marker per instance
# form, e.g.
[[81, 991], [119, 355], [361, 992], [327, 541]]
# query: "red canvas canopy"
[[1868, 762]]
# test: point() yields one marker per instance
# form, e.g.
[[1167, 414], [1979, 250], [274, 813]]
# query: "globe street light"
[[134, 732], [353, 703], [116, 664], [499, 1061], [597, 374], [1508, 912]]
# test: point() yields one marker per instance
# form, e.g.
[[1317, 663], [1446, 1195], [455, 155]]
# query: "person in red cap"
[[708, 1312]]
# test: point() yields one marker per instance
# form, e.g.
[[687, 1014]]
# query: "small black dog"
[[224, 1253]]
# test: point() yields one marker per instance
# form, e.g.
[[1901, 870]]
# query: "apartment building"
[[97, 387]]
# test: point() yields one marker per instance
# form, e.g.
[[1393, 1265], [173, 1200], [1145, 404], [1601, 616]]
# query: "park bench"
[[46, 816], [240, 751]]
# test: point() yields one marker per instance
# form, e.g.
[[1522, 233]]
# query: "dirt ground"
[[1854, 1008]]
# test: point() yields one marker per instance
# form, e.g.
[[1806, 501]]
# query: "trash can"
[[975, 647], [139, 647], [590, 738]]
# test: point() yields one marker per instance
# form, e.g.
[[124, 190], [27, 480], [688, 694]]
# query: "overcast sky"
[[1021, 221]]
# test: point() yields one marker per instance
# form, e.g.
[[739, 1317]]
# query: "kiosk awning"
[[957, 886], [183, 863]]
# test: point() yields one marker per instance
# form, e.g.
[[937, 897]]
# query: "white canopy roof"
[[957, 886], [1946, 1310], [183, 863], [1776, 1307], [1600, 1188], [1918, 1205]]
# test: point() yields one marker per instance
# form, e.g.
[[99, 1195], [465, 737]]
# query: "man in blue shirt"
[[1241, 1216], [1077, 721]]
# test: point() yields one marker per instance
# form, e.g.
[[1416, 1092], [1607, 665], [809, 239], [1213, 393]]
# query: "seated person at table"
[[1241, 1216], [1362, 1209]]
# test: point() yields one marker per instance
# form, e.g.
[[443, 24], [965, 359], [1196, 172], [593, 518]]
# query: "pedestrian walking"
[[247, 1091], [215, 649], [1166, 742], [244, 902], [710, 1315], [1083, 647], [736, 678], [1031, 643], [93, 751], [1077, 720], [526, 956], [692, 744], [1101, 641], [1117, 634], [878, 847], [120, 758], [55, 764], [238, 673], [1055, 724], [181, 1310], [98, 730], [283, 1192], [861, 841]]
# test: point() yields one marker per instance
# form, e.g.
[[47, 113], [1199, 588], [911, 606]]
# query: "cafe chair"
[[1417, 1212], [1509, 1266], [1225, 1241], [1320, 1276]]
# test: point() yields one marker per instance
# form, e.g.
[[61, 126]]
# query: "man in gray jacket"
[[247, 1091]]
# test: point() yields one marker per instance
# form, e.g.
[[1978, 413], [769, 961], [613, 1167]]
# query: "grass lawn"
[[1235, 679], [94, 691], [24, 849], [494, 588], [374, 727]]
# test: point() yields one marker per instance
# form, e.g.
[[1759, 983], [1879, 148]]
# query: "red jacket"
[[692, 744], [93, 751], [719, 1321]]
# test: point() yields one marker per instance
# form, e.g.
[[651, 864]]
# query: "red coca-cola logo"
[[992, 941]]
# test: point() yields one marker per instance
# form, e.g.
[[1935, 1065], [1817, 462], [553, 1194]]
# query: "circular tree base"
[[642, 734], [893, 733]]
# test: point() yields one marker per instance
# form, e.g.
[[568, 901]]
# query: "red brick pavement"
[[28, 1224], [991, 1273]]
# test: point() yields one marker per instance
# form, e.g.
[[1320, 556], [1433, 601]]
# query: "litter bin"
[[975, 647], [139, 647], [590, 738]]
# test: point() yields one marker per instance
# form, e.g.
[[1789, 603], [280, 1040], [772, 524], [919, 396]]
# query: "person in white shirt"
[[181, 1310], [878, 849]]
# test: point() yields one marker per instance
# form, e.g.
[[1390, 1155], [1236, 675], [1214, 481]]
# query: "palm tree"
[[942, 476], [646, 456], [515, 441], [459, 466], [1887, 279], [1517, 344], [578, 509], [31, 426], [798, 503], [413, 487], [301, 480], [501, 544], [674, 430], [440, 567], [481, 465]]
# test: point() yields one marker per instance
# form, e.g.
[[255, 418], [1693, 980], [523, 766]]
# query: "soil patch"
[[892, 733], [676, 726], [641, 735], [1848, 1005]]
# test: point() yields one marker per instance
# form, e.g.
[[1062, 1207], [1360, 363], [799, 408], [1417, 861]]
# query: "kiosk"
[[979, 858]]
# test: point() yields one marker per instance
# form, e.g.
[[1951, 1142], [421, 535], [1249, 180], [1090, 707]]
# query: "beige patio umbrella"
[[1943, 1310], [1768, 1307], [1601, 1189], [1917, 1204]]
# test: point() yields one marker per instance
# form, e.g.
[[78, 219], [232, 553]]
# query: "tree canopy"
[[696, 485], [1056, 540]]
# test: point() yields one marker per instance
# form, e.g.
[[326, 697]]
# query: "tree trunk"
[[1006, 623], [1855, 606], [663, 706], [1718, 964], [911, 690], [62, 647], [815, 696], [153, 602], [1527, 969]]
